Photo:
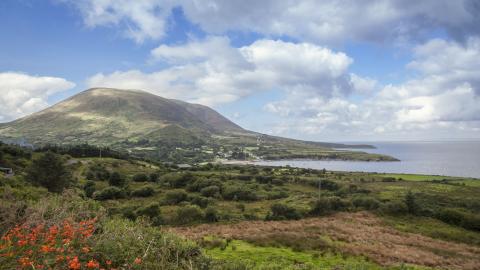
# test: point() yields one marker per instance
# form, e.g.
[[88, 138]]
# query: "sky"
[[317, 70]]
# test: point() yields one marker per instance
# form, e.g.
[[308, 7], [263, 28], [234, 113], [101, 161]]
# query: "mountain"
[[149, 125]]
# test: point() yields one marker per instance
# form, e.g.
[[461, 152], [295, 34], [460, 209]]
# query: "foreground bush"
[[49, 171], [327, 205]]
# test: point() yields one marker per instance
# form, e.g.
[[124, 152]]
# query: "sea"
[[447, 158]]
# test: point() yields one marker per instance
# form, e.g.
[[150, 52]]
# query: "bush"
[[182, 180], [49, 171], [199, 200], [367, 203], [211, 214], [151, 210], [210, 191], [395, 208], [201, 183], [327, 205], [241, 193], [109, 193], [175, 197], [141, 177], [116, 179], [282, 212], [459, 218], [413, 207], [153, 177], [145, 191], [123, 241], [188, 214], [89, 188]]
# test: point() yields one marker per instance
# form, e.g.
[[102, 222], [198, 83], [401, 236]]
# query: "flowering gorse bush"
[[64, 246]]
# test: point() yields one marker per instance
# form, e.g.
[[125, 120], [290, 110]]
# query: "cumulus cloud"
[[309, 20], [444, 96], [212, 72], [23, 94]]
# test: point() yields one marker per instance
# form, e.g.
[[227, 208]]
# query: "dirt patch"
[[359, 233]]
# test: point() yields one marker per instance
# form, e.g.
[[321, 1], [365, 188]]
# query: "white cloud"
[[309, 20], [212, 72], [23, 94], [444, 97]]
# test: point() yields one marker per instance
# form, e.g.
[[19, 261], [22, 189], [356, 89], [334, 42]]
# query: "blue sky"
[[335, 70]]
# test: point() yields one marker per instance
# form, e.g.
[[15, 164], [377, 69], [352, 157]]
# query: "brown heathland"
[[359, 233]]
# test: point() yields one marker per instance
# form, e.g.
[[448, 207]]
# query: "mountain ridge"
[[141, 122]]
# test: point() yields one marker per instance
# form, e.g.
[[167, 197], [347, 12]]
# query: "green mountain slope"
[[149, 125]]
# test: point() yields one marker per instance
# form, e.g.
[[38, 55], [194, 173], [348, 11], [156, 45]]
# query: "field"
[[254, 217]]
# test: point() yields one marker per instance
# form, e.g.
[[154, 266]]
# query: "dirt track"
[[354, 233]]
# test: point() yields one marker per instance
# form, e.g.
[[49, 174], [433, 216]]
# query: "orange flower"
[[109, 262], [137, 261], [74, 264], [92, 264], [85, 249]]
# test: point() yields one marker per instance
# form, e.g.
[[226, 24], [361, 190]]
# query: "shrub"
[[210, 191], [141, 177], [188, 214], [123, 241], [109, 193], [412, 206], [211, 214], [175, 196], [201, 183], [199, 200], [395, 208], [241, 193], [151, 210], [182, 180], [153, 177], [459, 218], [49, 171], [327, 205], [116, 179], [145, 191], [282, 211], [367, 203], [89, 188]]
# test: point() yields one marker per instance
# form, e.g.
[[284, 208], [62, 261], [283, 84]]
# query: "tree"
[[49, 171], [116, 179], [411, 203]]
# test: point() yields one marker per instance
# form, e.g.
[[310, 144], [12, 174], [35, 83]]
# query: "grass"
[[285, 258], [433, 228]]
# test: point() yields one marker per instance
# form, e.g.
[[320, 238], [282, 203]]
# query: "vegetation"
[[137, 207]]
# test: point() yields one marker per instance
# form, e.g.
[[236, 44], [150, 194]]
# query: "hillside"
[[148, 125]]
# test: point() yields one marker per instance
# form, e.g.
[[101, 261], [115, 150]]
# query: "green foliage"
[[140, 177], [282, 212], [49, 171], [199, 200], [97, 172], [154, 177], [394, 208], [327, 205], [116, 179], [189, 214], [210, 191], [145, 191], [413, 207], [367, 203], [89, 188], [211, 214], [109, 193], [241, 193], [123, 241], [151, 210], [460, 218], [175, 196]]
